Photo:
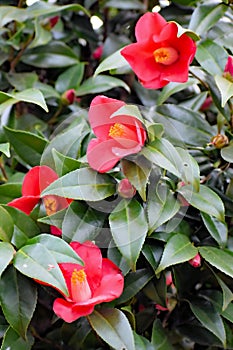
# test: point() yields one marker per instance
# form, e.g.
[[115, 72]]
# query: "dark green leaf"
[[219, 258], [225, 87], [216, 228], [42, 36], [13, 341], [141, 343], [227, 153], [6, 255], [100, 83], [6, 225], [115, 60], [70, 78], [129, 228], [63, 164], [113, 327], [172, 88], [159, 337]]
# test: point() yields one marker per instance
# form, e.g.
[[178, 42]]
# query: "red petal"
[[70, 312], [26, 204], [149, 24], [37, 179], [101, 109], [100, 156], [56, 231]]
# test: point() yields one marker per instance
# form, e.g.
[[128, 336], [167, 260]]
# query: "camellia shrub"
[[116, 177]]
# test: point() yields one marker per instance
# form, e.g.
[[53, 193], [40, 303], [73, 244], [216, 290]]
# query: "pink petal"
[[26, 204], [149, 24], [70, 311], [37, 179]]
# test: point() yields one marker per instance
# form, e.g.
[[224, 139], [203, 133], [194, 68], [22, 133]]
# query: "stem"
[[56, 114], [198, 78], [5, 177], [19, 55]]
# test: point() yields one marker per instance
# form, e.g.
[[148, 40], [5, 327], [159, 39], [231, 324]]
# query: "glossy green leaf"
[[129, 227], [70, 78], [161, 206], [209, 318], [6, 225], [5, 149], [126, 5], [173, 88], [159, 337], [216, 228], [63, 164], [61, 250], [153, 253], [154, 131], [6, 255], [83, 184], [82, 223], [130, 110], [190, 172], [28, 146], [13, 341], [100, 83], [9, 191], [219, 258], [113, 327], [216, 298], [19, 303], [115, 60], [227, 153], [141, 343], [42, 36], [30, 95], [206, 200], [137, 173], [133, 283], [225, 87], [177, 250], [115, 256], [36, 261], [227, 294], [205, 16], [55, 54], [55, 219]]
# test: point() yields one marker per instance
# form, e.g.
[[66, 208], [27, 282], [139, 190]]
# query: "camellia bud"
[[228, 71], [207, 103], [98, 52], [219, 141], [68, 97], [126, 189], [196, 261], [51, 22]]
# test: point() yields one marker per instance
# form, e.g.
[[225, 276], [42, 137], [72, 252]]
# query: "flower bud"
[[51, 22], [228, 71], [183, 201], [126, 189], [219, 141], [196, 261], [98, 52], [207, 103], [68, 97]]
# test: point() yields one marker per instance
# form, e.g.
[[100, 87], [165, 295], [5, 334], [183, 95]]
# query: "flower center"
[[165, 55], [50, 204], [117, 130], [80, 289]]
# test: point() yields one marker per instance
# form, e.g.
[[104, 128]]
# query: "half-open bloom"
[[99, 280], [117, 136], [159, 56], [35, 181]]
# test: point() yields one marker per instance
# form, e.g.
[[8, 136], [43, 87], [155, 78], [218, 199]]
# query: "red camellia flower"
[[98, 281], [35, 181], [228, 70], [117, 136], [159, 56]]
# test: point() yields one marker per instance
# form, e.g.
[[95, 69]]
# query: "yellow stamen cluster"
[[50, 204], [78, 277], [165, 55], [116, 130]]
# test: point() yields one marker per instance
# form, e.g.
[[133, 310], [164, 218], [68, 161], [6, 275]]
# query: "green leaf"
[[62, 251], [36, 261], [18, 298], [12, 341], [219, 258], [55, 219], [227, 153], [82, 223], [55, 54], [5, 149], [30, 95], [63, 164], [129, 228], [190, 169], [6, 255], [100, 83], [113, 327], [28, 146], [42, 36], [6, 225], [209, 318], [216, 228], [115, 60], [211, 56], [161, 206], [225, 87], [177, 250], [152, 252], [159, 338], [205, 200], [141, 343], [70, 78], [190, 33], [173, 88], [227, 294], [126, 5], [133, 283], [205, 16], [130, 110], [83, 184], [137, 173]]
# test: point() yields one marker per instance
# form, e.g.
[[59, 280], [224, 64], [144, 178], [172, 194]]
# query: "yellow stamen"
[[50, 204], [165, 55], [80, 289], [117, 130]]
